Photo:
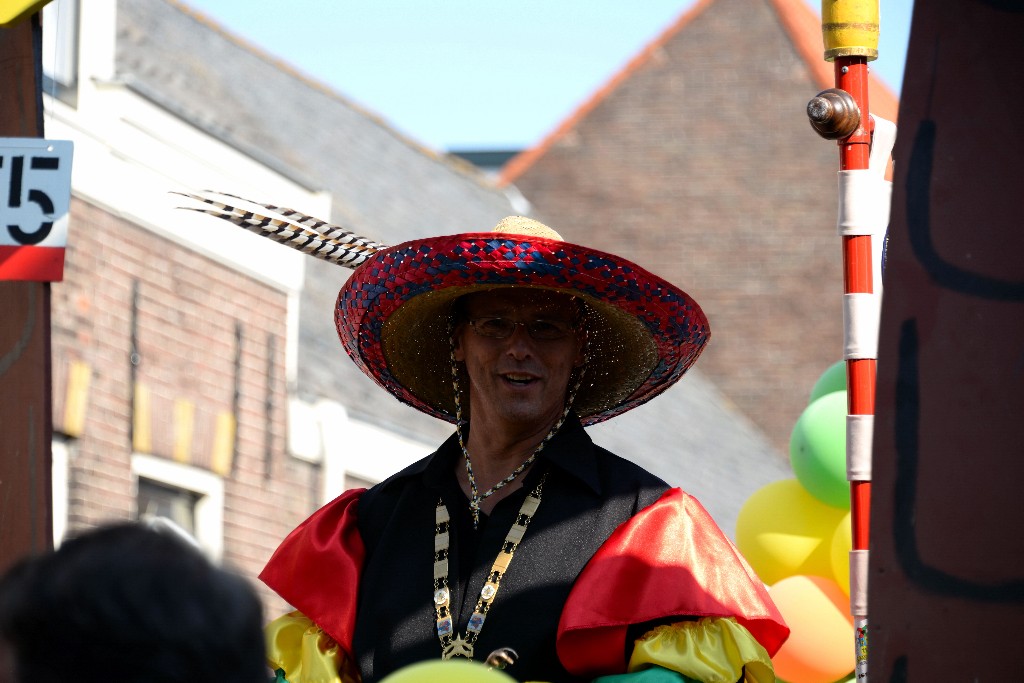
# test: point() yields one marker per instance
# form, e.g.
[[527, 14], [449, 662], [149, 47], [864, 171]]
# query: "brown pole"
[[25, 373]]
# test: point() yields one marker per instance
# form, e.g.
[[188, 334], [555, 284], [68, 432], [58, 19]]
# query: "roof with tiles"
[[389, 188]]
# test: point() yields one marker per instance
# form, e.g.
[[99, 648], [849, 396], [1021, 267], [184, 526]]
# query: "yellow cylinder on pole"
[[850, 28]]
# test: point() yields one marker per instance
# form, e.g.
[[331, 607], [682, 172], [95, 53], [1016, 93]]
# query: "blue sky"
[[472, 73]]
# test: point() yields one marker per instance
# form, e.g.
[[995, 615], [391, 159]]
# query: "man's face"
[[518, 381]]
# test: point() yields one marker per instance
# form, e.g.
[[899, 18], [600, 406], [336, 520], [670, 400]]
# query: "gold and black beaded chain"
[[452, 644]]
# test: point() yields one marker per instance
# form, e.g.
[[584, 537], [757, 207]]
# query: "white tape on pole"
[[865, 195], [859, 432], [859, 583], [864, 201], [861, 314], [882, 140]]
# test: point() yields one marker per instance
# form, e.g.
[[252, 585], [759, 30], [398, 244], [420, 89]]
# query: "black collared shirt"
[[588, 493]]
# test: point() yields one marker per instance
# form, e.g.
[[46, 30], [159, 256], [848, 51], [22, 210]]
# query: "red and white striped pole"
[[850, 31]]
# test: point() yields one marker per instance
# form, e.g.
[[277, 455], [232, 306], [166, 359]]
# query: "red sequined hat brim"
[[392, 317]]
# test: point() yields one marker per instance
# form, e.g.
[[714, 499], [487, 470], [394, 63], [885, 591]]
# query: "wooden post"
[[26, 524], [947, 555]]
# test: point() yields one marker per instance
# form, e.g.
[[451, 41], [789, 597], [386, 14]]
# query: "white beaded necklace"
[[452, 643]]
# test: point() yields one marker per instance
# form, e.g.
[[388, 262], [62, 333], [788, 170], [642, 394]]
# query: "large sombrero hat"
[[393, 313]]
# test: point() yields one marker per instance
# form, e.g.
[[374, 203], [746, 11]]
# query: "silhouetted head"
[[127, 603]]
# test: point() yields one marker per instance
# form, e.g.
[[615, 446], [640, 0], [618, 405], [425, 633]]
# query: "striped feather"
[[297, 230]]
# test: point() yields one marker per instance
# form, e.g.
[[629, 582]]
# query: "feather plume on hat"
[[292, 228], [392, 314]]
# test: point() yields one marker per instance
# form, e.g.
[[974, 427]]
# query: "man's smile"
[[518, 378]]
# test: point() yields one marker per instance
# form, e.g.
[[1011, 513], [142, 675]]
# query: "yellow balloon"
[[842, 544], [820, 648], [783, 531], [448, 671]]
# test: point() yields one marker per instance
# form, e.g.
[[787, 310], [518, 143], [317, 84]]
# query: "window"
[[178, 505], [186, 498]]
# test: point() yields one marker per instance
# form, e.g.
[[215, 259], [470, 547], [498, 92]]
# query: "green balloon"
[[817, 450], [833, 379], [448, 671]]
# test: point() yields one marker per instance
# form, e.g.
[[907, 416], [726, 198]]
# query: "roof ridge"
[[798, 20], [804, 29]]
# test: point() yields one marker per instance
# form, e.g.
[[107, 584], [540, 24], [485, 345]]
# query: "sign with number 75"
[[35, 195]]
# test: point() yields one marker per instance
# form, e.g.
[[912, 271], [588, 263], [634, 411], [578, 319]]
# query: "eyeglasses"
[[502, 328]]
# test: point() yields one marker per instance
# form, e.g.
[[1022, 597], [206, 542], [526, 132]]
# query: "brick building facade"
[[184, 382]]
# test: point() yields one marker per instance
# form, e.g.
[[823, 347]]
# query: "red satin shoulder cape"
[[316, 568], [670, 559]]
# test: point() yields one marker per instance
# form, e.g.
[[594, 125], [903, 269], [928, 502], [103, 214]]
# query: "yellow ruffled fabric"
[[305, 653], [711, 650]]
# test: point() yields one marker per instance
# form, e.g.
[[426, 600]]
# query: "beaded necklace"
[[452, 643]]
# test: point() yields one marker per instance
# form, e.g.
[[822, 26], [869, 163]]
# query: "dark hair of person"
[[126, 603]]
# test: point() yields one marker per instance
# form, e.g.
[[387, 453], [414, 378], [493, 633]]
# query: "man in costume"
[[518, 540]]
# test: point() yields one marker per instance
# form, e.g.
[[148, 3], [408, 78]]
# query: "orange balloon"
[[821, 644]]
